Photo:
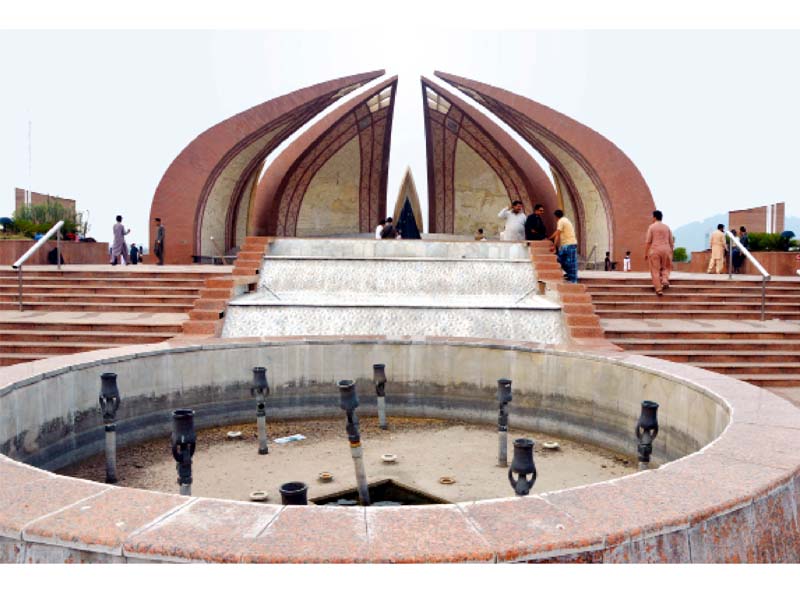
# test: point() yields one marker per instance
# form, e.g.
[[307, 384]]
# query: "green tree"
[[680, 255]]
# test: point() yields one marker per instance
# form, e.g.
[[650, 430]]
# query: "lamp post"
[[348, 401], [260, 390], [646, 432], [379, 378], [522, 464], [503, 399], [183, 444], [109, 403]]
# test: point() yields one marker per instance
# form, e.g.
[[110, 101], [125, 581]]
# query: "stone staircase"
[[82, 308], [708, 322], [693, 299]]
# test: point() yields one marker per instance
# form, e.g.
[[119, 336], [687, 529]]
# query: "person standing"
[[737, 258], [744, 239], [479, 236], [515, 222], [379, 228], [158, 247], [119, 251], [388, 232], [134, 254], [534, 225], [566, 244], [658, 249], [626, 262], [717, 249]]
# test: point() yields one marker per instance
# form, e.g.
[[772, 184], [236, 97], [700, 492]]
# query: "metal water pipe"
[[109, 403], [348, 401], [260, 389], [379, 379], [503, 399], [183, 441], [646, 432], [522, 464]]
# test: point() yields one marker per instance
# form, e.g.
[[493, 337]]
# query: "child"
[[626, 263], [479, 237]]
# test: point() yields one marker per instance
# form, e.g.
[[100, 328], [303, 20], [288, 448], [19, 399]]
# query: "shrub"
[[39, 218], [680, 255], [764, 242]]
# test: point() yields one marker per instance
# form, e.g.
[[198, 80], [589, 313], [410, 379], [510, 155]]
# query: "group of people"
[[659, 242], [386, 230], [119, 252], [720, 247], [520, 227]]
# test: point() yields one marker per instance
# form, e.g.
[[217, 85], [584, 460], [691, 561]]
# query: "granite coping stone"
[[741, 490], [203, 530], [101, 523]]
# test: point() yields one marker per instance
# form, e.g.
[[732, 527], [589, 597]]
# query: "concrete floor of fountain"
[[426, 450]]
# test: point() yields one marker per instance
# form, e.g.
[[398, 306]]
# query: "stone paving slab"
[[92, 318], [680, 276], [140, 268], [700, 325]]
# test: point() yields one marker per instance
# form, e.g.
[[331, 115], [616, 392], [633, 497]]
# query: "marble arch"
[[217, 169], [598, 185], [332, 179]]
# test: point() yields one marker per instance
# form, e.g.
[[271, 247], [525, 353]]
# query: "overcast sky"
[[709, 117]]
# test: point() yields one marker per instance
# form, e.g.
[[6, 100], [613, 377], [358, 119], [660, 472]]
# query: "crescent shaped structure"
[[205, 192], [475, 168], [598, 185], [331, 180]]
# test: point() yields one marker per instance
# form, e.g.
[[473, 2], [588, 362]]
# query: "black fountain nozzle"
[[379, 378], [523, 466], [348, 401], [503, 399], [647, 430], [109, 397], [183, 442], [294, 492], [259, 389], [260, 385]]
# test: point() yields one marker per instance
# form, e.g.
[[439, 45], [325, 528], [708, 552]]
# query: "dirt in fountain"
[[426, 450]]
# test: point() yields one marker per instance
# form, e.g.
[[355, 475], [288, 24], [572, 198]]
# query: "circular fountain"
[[725, 489]]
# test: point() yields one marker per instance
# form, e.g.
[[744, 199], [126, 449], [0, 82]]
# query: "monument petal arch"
[[475, 168], [598, 185], [332, 179], [217, 169]]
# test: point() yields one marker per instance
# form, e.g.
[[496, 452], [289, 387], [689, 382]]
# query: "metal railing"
[[54, 230], [765, 277]]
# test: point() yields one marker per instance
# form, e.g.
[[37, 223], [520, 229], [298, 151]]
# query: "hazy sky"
[[709, 117]]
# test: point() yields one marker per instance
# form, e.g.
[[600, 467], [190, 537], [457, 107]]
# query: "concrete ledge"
[[744, 438]]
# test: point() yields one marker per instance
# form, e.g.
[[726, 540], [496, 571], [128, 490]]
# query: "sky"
[[708, 116]]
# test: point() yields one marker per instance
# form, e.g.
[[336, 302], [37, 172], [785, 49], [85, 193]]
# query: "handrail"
[[54, 230], [765, 277]]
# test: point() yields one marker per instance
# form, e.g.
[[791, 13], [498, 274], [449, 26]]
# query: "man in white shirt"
[[515, 222], [379, 228]]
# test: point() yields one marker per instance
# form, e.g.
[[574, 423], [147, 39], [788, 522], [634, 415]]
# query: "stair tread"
[[717, 353]]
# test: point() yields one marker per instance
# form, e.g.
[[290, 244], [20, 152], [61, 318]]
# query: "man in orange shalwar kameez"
[[658, 249]]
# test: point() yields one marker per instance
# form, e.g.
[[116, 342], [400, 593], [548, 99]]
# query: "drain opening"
[[386, 492]]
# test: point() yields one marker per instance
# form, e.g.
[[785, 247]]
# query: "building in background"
[[38, 199], [762, 219]]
